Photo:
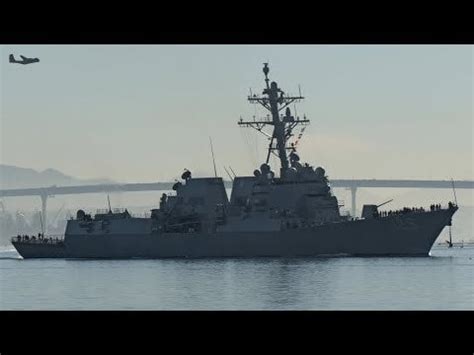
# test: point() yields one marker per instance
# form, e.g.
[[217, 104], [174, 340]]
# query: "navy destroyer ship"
[[289, 215]]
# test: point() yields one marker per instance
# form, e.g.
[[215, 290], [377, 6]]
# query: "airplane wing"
[[23, 57]]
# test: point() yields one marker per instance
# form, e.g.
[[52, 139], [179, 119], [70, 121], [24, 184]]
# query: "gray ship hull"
[[40, 250], [410, 234]]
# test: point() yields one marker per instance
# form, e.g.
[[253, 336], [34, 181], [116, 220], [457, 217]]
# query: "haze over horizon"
[[144, 113]]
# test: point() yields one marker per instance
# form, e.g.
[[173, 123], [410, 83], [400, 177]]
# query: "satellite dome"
[[177, 185], [320, 171], [80, 214], [294, 157], [265, 168], [257, 173], [186, 175]]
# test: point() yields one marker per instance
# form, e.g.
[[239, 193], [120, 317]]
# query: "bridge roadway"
[[351, 184]]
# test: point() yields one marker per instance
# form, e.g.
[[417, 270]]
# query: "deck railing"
[[49, 239]]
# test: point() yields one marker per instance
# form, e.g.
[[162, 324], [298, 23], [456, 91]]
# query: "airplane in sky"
[[24, 60]]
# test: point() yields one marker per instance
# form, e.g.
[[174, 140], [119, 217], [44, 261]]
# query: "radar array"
[[274, 100]]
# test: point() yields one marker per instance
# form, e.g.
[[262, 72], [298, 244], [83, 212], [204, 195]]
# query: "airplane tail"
[[12, 58]]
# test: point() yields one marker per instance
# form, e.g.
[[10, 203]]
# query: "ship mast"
[[274, 100]]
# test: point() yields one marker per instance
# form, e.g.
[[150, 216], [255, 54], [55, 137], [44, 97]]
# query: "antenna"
[[299, 89], [108, 200], [266, 70], [454, 192], [230, 177], [213, 159], [232, 171], [384, 203]]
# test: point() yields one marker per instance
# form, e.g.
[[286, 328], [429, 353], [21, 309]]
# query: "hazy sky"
[[144, 113]]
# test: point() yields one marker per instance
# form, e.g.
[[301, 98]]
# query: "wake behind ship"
[[292, 214]]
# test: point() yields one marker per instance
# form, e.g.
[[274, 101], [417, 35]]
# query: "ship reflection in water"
[[443, 281]]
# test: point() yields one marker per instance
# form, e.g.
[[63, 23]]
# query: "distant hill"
[[14, 177]]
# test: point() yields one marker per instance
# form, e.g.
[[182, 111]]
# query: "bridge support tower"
[[44, 200]]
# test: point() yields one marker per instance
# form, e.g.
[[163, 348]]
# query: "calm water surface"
[[443, 281]]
